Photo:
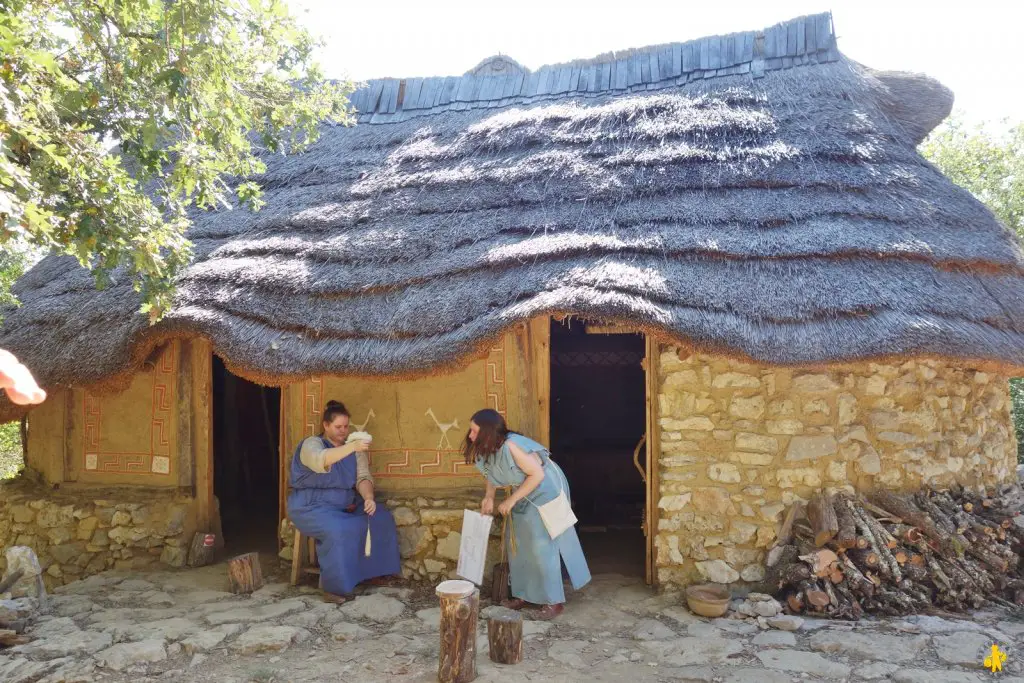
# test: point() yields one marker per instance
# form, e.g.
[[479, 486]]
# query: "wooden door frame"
[[540, 376], [653, 442]]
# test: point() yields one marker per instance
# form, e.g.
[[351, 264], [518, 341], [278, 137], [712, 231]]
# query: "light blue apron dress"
[[535, 569]]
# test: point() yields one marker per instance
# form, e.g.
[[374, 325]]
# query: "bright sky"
[[973, 48]]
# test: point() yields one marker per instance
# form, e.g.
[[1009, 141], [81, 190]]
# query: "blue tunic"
[[535, 569], [328, 508]]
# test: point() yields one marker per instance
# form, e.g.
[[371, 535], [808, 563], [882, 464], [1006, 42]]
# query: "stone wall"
[[429, 534], [80, 533], [740, 442]]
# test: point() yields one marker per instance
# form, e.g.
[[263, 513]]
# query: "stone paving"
[[183, 626]]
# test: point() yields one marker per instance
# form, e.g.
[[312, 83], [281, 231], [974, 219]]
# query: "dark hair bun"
[[336, 405]]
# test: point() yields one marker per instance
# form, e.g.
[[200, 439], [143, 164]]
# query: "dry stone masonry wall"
[[429, 535], [77, 534], [740, 442]]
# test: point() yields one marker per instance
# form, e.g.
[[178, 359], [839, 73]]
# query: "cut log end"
[[245, 574]]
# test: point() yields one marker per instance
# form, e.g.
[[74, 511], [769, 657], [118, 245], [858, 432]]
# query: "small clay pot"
[[707, 600]]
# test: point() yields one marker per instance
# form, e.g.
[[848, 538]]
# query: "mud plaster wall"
[[123, 438], [417, 426], [739, 442]]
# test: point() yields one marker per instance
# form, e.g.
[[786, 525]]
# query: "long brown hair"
[[491, 437]]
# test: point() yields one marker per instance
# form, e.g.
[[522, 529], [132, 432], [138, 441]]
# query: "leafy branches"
[[117, 117]]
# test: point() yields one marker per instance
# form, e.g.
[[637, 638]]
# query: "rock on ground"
[[268, 639], [124, 655]]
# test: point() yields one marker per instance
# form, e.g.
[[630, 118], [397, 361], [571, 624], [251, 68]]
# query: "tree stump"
[[505, 636], [244, 573], [203, 549], [460, 604]]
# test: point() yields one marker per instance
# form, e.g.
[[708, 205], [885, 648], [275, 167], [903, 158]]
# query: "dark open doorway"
[[598, 416], [246, 475]]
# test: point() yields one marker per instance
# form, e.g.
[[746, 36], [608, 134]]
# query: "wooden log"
[[882, 541], [821, 561], [505, 636], [865, 559], [858, 582], [862, 543], [244, 573], [500, 582], [794, 573], [460, 605], [822, 515], [816, 597], [847, 536], [204, 549], [900, 507], [785, 534]]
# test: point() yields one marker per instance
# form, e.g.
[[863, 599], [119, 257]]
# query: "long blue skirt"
[[535, 568], [341, 543]]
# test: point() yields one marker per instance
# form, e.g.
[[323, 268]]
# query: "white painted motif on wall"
[[445, 427]]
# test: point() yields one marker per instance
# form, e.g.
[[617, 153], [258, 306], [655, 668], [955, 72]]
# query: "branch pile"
[[891, 554]]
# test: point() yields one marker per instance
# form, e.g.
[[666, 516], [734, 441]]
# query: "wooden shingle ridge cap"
[[499, 81]]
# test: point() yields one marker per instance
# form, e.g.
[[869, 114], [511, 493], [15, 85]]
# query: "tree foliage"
[[991, 166], [988, 164], [117, 117]]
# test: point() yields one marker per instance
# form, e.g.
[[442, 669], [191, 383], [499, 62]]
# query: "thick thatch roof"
[[757, 194]]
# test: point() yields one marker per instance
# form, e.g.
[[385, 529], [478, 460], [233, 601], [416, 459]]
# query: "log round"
[[505, 636], [460, 605], [244, 573]]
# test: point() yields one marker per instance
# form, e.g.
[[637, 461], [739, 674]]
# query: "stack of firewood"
[[885, 553]]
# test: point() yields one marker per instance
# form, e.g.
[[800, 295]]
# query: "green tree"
[[991, 166], [117, 117]]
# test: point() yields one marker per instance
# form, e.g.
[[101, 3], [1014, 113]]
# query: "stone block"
[[734, 380], [746, 441], [724, 472], [811, 447], [784, 426], [751, 408], [813, 384], [717, 571]]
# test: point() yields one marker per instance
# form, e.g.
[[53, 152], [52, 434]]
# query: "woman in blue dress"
[[332, 501], [509, 459]]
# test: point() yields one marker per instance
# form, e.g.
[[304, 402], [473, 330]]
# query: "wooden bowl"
[[707, 600]]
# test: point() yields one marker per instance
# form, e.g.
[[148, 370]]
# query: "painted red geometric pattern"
[[157, 460], [414, 463]]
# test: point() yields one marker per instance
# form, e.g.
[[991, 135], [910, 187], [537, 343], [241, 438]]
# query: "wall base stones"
[[77, 533], [739, 442]]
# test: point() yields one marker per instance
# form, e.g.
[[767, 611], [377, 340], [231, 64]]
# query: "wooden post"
[[460, 604], [244, 573], [505, 636]]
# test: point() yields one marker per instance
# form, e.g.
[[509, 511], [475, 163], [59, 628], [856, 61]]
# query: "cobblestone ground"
[[184, 626]]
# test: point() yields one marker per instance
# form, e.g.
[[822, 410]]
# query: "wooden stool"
[[302, 552]]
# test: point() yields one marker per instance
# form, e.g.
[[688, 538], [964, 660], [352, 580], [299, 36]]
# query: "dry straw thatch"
[[775, 213]]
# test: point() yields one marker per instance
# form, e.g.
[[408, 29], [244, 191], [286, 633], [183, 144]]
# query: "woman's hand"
[[18, 381], [369, 505], [506, 507], [360, 446], [487, 506]]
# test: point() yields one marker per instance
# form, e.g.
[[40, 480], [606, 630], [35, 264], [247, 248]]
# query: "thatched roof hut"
[[819, 302], [755, 194]]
